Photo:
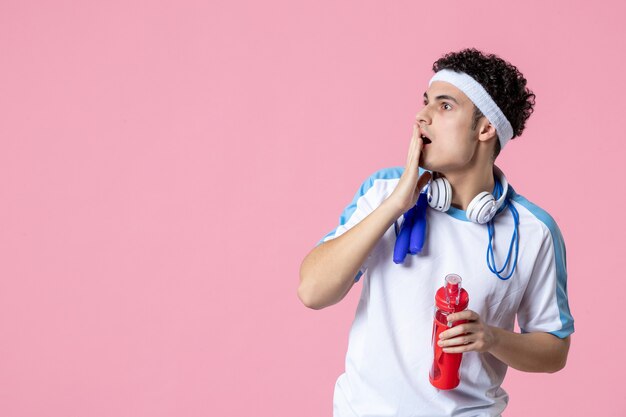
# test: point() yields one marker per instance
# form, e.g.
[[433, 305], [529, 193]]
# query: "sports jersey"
[[389, 351]]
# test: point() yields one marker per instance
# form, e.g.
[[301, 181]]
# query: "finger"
[[417, 145], [464, 315], [458, 330], [412, 146], [457, 341], [411, 149], [460, 349]]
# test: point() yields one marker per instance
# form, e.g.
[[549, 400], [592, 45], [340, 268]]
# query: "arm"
[[528, 352], [327, 272]]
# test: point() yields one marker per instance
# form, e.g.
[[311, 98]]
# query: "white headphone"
[[480, 210]]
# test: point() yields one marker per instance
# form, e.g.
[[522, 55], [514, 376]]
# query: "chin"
[[427, 165], [443, 166]]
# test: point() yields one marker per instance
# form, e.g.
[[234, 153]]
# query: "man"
[[474, 104]]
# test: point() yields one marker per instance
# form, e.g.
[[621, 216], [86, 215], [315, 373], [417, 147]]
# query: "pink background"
[[165, 167]]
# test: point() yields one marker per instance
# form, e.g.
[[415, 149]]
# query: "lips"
[[425, 137]]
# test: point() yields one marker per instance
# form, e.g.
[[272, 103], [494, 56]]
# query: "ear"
[[486, 131]]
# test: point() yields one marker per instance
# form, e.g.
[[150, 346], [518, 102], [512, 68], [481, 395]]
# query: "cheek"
[[461, 135], [458, 149], [457, 142]]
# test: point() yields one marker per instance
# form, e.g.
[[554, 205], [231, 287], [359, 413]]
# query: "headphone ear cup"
[[440, 194], [482, 208], [504, 187]]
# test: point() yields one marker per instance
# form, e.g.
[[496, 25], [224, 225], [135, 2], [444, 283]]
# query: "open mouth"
[[425, 140]]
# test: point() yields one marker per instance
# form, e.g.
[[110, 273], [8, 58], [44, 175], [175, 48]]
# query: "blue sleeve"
[[545, 306], [367, 198]]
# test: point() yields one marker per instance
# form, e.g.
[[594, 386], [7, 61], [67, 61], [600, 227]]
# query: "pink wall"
[[165, 166]]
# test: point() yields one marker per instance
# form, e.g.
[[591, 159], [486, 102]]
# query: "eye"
[[446, 104]]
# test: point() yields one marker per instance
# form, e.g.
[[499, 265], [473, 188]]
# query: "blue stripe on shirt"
[[567, 321], [383, 174]]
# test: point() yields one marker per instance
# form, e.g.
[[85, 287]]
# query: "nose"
[[423, 116]]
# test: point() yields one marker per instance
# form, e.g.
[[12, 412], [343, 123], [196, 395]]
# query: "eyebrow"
[[442, 97]]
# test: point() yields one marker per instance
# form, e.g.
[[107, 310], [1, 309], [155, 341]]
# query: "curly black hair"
[[503, 81]]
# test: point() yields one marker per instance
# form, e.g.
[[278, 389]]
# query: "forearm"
[[327, 273], [530, 352]]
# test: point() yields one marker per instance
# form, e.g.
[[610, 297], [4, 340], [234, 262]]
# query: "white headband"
[[481, 98]]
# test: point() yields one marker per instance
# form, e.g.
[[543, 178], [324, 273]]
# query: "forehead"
[[442, 88]]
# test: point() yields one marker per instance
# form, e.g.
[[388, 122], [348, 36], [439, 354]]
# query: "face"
[[446, 119]]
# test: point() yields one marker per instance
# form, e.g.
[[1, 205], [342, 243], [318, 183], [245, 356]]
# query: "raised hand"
[[407, 191]]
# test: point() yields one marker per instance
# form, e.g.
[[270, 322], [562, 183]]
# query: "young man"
[[474, 104]]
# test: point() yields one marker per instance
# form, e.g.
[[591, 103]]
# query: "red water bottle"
[[449, 299]]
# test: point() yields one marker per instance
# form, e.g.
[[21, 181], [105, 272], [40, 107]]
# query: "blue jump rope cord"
[[491, 263]]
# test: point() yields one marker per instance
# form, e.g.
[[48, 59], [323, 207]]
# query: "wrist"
[[496, 333], [395, 207]]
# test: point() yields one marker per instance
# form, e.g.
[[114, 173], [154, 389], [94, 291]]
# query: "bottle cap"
[[452, 297], [453, 289]]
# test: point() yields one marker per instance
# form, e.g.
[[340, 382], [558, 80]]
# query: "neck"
[[468, 183]]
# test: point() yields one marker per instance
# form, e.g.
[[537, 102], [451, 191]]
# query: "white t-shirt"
[[390, 353]]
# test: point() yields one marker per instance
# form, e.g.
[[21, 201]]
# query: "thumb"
[[423, 180]]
